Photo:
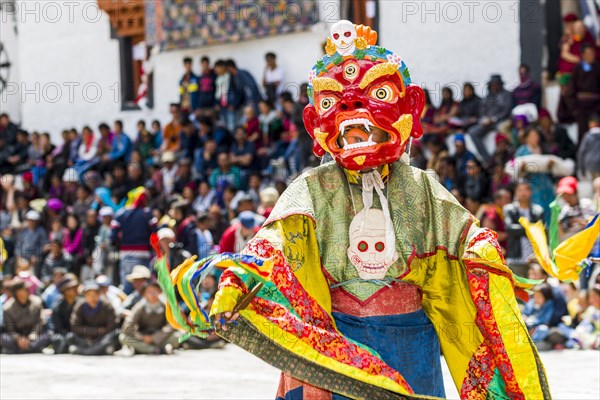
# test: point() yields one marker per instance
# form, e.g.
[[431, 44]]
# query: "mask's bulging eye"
[[347, 34], [326, 103], [336, 36], [351, 72], [384, 93], [379, 246]]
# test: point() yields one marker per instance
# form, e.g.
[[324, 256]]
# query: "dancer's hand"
[[228, 317]]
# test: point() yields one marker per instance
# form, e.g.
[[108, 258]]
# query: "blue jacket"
[[121, 147]]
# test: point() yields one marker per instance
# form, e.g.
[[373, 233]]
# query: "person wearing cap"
[[112, 294], [173, 250], [23, 326], [32, 239], [60, 322], [146, 329], [239, 234], [94, 324], [575, 213], [138, 277], [495, 109]]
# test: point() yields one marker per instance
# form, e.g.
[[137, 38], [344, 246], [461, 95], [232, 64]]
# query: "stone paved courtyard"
[[216, 374]]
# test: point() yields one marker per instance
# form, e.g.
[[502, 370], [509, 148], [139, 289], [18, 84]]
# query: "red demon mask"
[[361, 111]]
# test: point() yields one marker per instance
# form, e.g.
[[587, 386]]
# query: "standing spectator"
[[245, 89], [541, 183], [146, 328], [61, 313], [23, 322], [585, 88], [103, 241], [32, 239], [206, 92], [272, 78], [94, 324], [588, 159], [528, 91], [188, 89], [495, 108], [131, 232], [170, 136], [90, 231], [222, 88], [174, 254], [518, 247]]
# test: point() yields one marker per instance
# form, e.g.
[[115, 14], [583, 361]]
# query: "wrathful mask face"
[[361, 110]]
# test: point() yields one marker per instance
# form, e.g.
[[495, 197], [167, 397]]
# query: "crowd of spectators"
[[76, 215]]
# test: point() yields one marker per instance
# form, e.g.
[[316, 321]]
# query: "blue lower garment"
[[407, 342]]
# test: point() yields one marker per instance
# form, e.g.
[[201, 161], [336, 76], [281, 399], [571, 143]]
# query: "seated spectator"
[[184, 175], [61, 313], [32, 239], [461, 154], [139, 276], [146, 329], [447, 110], [111, 294], [555, 136], [477, 184], [538, 313], [24, 271], [494, 216], [251, 124], [56, 258], [226, 172], [72, 237], [519, 249], [171, 131], [438, 150], [541, 182], [51, 294], [236, 237], [242, 151], [503, 152], [204, 237], [528, 91], [448, 176], [587, 333], [88, 146], [189, 140], [205, 198], [23, 326], [495, 108], [575, 213], [205, 161], [468, 109], [94, 324], [168, 172]]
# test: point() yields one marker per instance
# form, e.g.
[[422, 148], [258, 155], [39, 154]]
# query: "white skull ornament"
[[367, 249], [343, 34]]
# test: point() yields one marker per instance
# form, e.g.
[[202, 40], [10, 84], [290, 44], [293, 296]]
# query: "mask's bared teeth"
[[366, 125]]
